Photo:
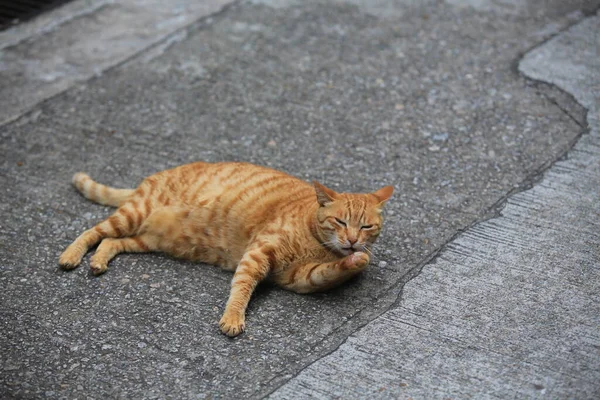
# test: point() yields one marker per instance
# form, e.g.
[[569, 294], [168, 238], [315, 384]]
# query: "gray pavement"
[[422, 95]]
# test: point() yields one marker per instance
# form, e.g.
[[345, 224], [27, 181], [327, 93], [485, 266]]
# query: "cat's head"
[[350, 222]]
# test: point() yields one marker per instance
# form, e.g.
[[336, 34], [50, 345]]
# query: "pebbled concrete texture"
[[426, 98], [510, 309]]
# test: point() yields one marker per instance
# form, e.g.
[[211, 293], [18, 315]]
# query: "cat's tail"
[[100, 193]]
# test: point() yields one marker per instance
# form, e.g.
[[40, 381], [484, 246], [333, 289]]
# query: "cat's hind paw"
[[98, 267], [232, 325], [69, 259]]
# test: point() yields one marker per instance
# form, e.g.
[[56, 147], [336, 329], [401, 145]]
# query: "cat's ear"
[[324, 195], [383, 195]]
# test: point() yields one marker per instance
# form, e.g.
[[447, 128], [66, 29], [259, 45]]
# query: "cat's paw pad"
[[69, 259], [232, 325], [356, 260]]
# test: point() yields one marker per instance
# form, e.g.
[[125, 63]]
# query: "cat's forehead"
[[355, 204], [357, 200]]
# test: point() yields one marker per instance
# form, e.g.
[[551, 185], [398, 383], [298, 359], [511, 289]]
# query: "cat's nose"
[[352, 241]]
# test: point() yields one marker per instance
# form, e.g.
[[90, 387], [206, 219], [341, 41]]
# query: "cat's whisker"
[[373, 256]]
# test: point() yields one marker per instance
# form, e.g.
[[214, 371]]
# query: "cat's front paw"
[[357, 260], [232, 325]]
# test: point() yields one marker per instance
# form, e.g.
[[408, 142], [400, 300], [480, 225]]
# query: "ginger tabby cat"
[[256, 221]]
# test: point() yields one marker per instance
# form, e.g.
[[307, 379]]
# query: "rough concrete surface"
[[425, 97]]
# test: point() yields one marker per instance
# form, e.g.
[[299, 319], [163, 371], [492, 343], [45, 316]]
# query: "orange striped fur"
[[256, 221]]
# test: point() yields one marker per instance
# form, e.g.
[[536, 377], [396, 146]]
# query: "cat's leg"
[[110, 247], [124, 222], [253, 268], [314, 277], [162, 230]]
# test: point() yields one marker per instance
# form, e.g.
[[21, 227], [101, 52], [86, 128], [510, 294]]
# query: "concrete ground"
[[482, 114]]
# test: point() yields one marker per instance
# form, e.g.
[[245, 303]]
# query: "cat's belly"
[[190, 234], [195, 250], [202, 248]]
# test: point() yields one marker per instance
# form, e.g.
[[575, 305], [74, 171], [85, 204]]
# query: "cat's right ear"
[[383, 195], [324, 194]]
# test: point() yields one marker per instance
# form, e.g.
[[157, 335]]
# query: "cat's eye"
[[366, 227], [339, 221]]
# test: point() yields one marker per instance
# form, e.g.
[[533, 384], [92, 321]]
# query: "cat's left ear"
[[383, 195], [324, 194]]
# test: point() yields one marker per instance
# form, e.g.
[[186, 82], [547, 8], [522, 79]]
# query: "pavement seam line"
[[50, 27], [196, 23], [567, 113], [493, 211]]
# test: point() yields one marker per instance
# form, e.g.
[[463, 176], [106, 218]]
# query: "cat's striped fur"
[[256, 221]]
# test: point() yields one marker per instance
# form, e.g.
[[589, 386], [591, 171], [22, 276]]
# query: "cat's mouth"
[[350, 249]]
